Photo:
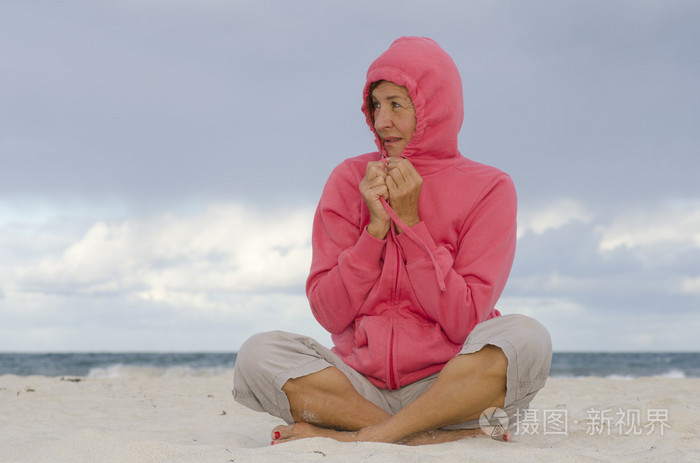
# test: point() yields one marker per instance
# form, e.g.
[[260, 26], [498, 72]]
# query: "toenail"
[[277, 434]]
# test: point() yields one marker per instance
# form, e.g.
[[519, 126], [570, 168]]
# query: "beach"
[[194, 419]]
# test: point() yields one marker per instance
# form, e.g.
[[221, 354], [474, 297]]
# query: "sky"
[[160, 162]]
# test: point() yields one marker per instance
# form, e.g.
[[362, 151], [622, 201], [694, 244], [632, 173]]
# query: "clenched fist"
[[397, 182]]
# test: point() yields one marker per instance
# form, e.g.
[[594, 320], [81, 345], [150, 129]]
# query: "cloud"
[[208, 277], [149, 105], [691, 285], [652, 268], [556, 313], [661, 223], [201, 280], [574, 325], [540, 306], [558, 213], [182, 261], [45, 322], [661, 235]]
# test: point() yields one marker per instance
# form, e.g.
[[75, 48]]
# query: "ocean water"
[[112, 365], [627, 365]]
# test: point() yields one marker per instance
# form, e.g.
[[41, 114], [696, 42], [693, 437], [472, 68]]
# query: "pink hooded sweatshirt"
[[398, 309]]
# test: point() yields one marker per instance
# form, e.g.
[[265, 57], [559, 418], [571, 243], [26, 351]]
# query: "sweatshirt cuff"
[[368, 250], [412, 250]]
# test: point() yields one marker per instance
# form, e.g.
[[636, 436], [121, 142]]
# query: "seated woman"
[[412, 247]]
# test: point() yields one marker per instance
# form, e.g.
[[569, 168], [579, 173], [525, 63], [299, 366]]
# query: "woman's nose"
[[381, 119]]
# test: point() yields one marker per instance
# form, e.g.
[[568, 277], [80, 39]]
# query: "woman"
[[405, 276]]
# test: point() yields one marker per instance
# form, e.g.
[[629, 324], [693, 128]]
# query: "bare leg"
[[328, 399], [464, 388], [467, 386]]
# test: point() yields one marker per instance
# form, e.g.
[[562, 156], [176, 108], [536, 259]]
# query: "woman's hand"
[[404, 184], [373, 187]]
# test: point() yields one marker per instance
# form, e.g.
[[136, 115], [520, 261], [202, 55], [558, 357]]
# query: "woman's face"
[[394, 116]]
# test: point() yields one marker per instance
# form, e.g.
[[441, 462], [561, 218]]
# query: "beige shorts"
[[267, 360]]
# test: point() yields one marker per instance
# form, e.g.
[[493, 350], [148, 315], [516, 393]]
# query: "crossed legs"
[[325, 404]]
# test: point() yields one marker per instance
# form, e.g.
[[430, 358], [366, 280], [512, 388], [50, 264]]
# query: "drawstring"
[[411, 234]]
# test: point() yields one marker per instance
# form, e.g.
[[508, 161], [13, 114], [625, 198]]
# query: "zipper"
[[395, 303], [392, 378]]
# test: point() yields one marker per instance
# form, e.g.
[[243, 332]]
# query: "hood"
[[435, 86]]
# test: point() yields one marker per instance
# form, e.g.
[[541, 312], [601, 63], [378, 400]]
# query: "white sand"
[[194, 419]]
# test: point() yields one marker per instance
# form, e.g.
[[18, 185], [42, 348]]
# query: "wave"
[[121, 370], [202, 364], [672, 373]]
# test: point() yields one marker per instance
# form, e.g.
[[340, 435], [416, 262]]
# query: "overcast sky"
[[160, 162]]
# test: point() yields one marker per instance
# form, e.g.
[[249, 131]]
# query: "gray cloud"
[[145, 101], [613, 281], [138, 117]]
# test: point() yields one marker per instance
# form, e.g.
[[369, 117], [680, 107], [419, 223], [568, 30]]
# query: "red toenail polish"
[[277, 434], [272, 443]]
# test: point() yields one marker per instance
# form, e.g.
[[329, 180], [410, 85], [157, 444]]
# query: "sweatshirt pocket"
[[371, 331], [370, 350], [360, 332], [421, 344]]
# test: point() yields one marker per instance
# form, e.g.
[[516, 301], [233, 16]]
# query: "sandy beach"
[[194, 419]]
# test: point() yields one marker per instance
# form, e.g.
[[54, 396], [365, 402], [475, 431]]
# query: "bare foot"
[[303, 430]]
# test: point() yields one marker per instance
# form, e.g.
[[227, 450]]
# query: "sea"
[[615, 365]]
